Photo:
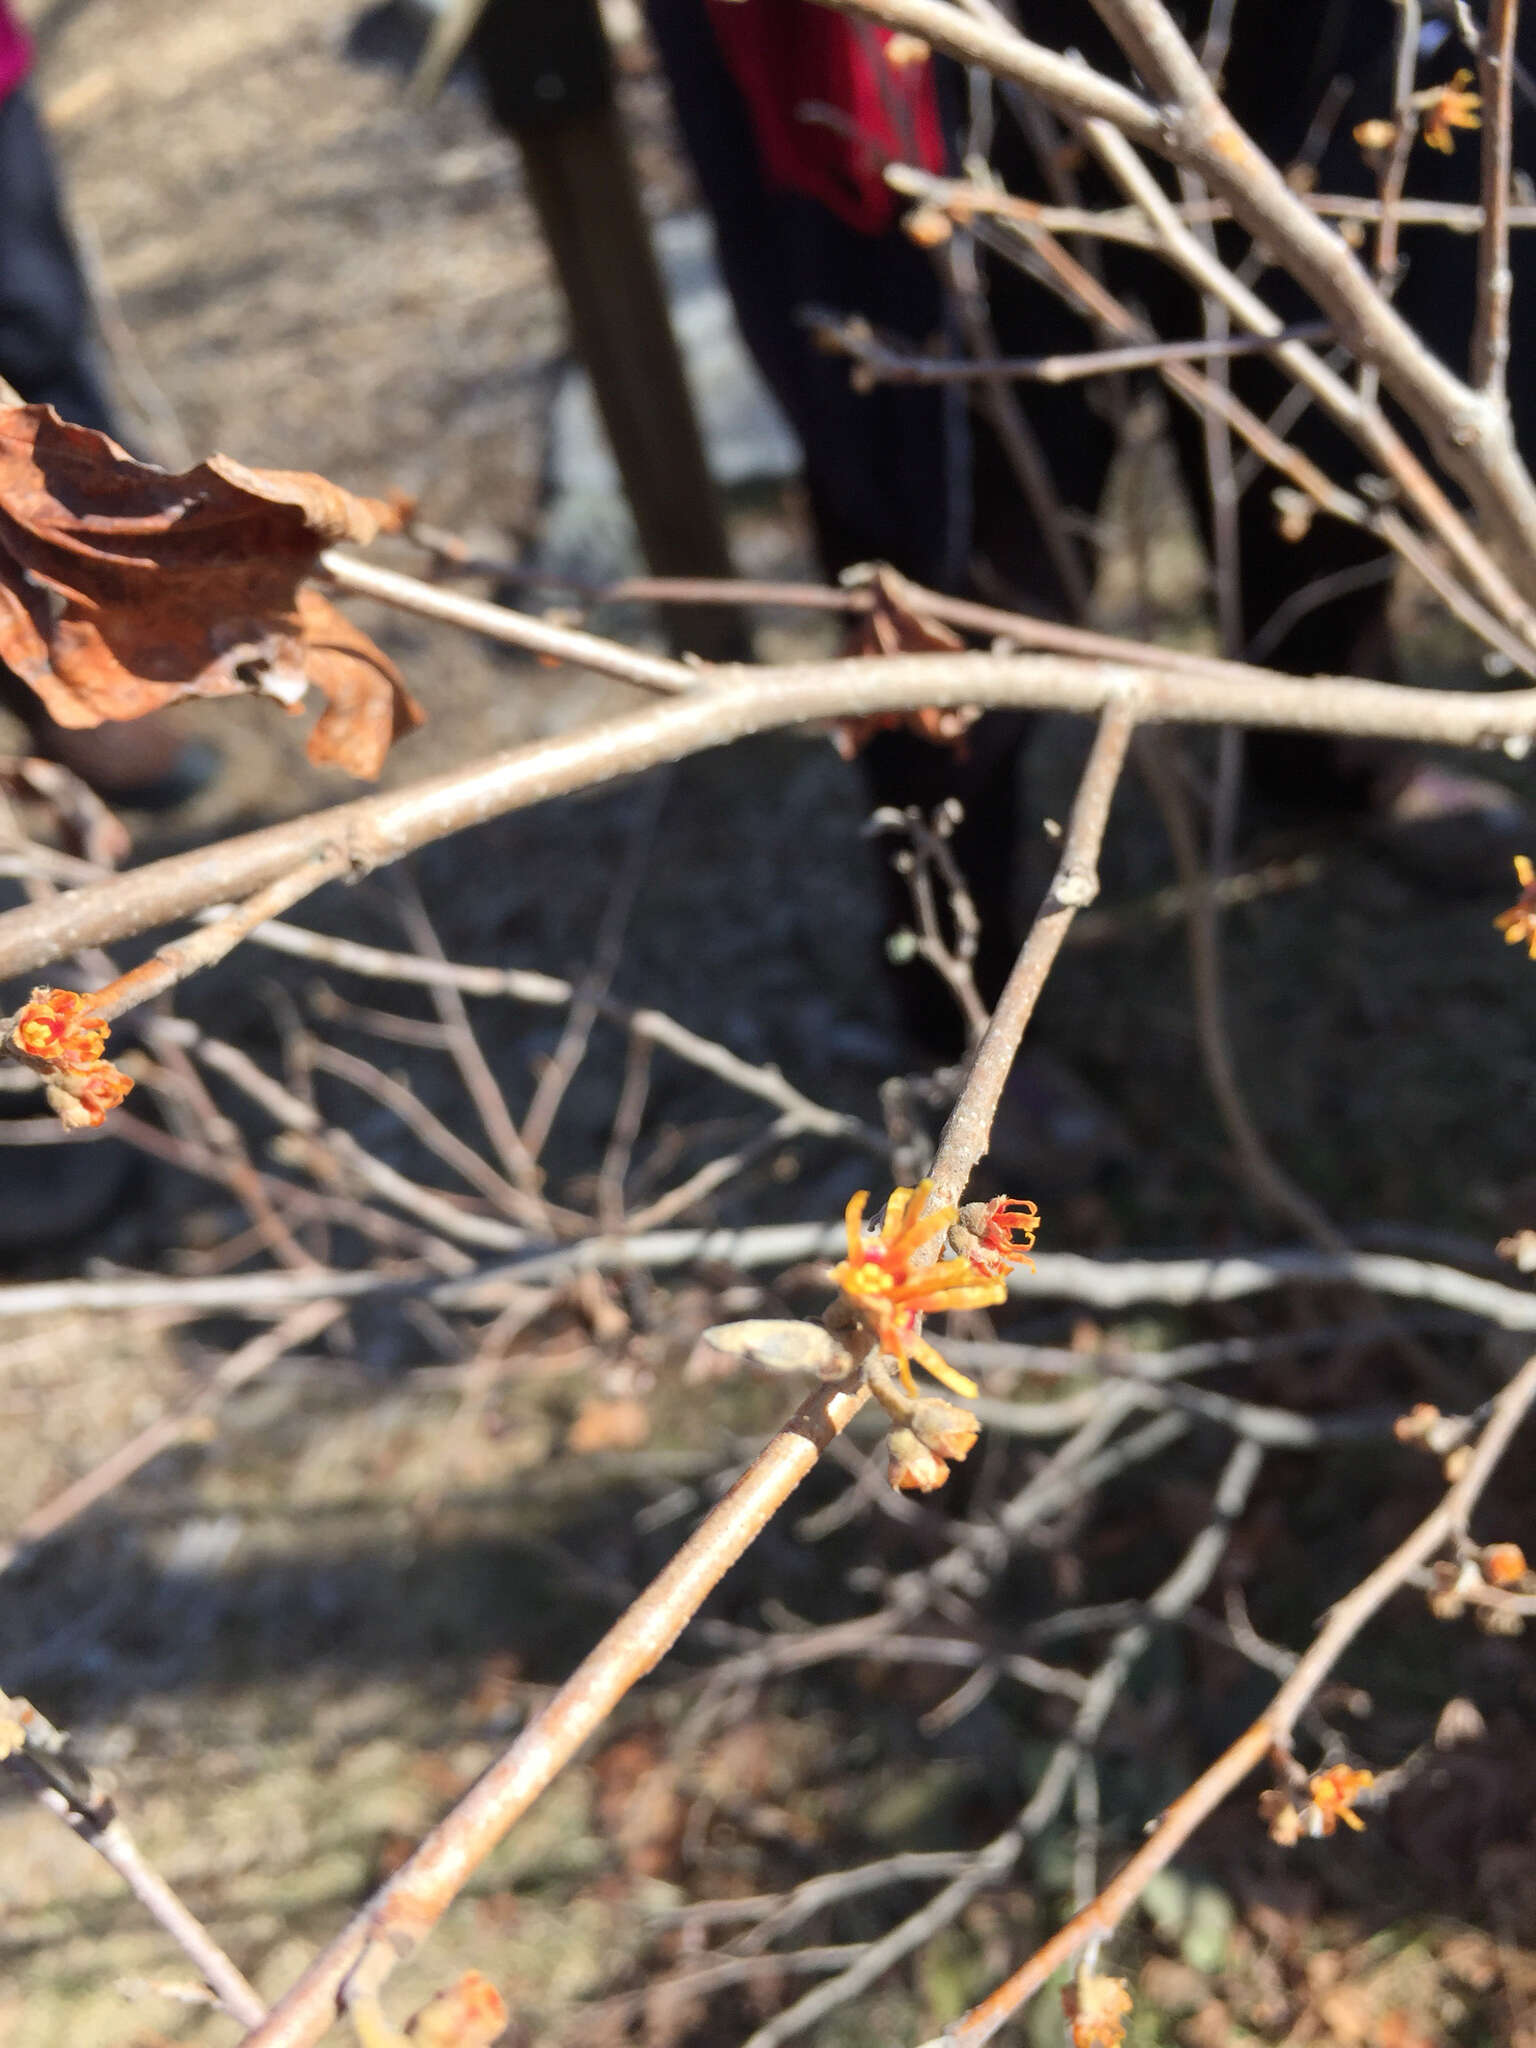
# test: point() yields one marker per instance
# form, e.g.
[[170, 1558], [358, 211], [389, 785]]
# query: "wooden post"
[[549, 80]]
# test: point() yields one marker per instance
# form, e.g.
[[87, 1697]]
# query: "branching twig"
[[1074, 886], [399, 1917], [1274, 1726], [884, 363], [376, 830], [174, 963], [44, 1757]]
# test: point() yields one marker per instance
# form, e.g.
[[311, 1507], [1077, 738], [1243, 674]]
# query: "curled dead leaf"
[[367, 706], [125, 588], [894, 627]]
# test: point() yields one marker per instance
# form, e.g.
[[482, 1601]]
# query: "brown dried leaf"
[[893, 627], [367, 706], [124, 588]]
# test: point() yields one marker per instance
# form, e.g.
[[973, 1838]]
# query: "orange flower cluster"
[[1518, 923], [1448, 106], [1096, 2009], [997, 1235], [56, 1027], [1478, 1579], [889, 1292], [1331, 1797], [56, 1032]]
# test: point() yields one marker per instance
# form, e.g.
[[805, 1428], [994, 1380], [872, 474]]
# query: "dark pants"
[[911, 476], [45, 322], [45, 325]]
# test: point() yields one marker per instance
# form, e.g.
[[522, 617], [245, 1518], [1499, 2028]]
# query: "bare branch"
[[1495, 282], [1179, 1821], [32, 1748], [517, 629], [376, 830], [1075, 885]]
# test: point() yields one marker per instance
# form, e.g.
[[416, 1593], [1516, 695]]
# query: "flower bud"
[[913, 1467], [944, 1428], [1503, 1564]]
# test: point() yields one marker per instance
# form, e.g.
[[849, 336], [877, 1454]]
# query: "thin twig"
[[1074, 886], [1272, 1186], [518, 629], [1394, 169], [1107, 1284], [377, 830], [1495, 281], [592, 991], [174, 963], [884, 363], [518, 1163], [32, 1748], [1274, 1726]]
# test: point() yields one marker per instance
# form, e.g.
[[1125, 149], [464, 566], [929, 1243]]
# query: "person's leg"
[[884, 480], [1315, 598], [47, 353], [46, 347], [887, 472]]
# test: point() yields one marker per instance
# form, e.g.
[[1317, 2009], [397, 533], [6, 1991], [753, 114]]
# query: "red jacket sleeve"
[[15, 51]]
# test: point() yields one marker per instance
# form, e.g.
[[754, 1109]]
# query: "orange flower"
[[55, 1027], [81, 1096], [1096, 2009], [1503, 1564], [1445, 107], [1518, 923], [881, 1283], [1005, 1234], [1334, 1793]]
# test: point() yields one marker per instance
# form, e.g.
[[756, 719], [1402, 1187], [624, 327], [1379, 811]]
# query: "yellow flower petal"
[[940, 1369]]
